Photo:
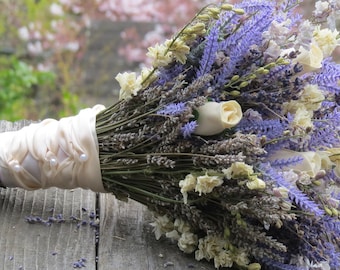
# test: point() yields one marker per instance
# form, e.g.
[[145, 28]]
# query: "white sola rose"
[[310, 161], [214, 117]]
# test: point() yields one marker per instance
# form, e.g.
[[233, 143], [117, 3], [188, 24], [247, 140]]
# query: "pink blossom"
[[56, 10], [23, 33], [72, 46], [35, 48]]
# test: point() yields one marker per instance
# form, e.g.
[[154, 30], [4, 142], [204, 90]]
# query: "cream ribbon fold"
[[53, 153]]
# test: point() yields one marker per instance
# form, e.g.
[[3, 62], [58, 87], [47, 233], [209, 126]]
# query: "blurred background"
[[59, 56]]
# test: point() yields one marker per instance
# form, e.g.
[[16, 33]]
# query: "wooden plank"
[[127, 240], [39, 246]]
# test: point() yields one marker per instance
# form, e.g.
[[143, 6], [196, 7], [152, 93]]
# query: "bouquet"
[[231, 139]]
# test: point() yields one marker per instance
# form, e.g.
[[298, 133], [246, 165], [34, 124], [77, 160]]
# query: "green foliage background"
[[25, 92]]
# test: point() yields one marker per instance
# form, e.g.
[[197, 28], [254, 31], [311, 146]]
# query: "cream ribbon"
[[53, 153]]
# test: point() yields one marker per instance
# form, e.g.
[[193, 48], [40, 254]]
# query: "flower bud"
[[239, 11], [215, 117], [243, 84], [204, 17], [234, 78], [214, 12], [227, 7], [254, 266]]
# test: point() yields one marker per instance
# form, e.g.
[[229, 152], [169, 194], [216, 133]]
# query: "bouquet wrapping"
[[231, 138]]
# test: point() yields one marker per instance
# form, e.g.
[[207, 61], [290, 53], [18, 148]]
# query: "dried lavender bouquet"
[[231, 139]]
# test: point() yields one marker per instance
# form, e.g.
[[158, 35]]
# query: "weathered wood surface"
[[39, 246], [125, 237], [127, 240]]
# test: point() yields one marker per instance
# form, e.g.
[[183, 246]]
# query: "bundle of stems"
[[231, 139]]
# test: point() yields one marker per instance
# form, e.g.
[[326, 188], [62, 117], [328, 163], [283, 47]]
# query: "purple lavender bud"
[[92, 215]]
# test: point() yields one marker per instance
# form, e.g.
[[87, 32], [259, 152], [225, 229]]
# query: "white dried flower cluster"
[[322, 43], [303, 108], [130, 83], [162, 225], [162, 54], [326, 39], [56, 9], [306, 264], [320, 8], [333, 17], [201, 184], [218, 248], [178, 230], [277, 32], [241, 170]]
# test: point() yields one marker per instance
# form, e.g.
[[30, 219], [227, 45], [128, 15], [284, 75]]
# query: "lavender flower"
[[210, 50], [188, 129], [329, 76], [173, 109], [295, 194]]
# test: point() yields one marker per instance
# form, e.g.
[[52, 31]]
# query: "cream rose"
[[215, 117], [310, 163]]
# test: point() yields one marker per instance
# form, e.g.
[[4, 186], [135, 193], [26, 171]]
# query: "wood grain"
[[127, 240], [39, 246]]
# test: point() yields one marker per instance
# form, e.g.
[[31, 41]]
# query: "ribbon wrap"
[[53, 153]]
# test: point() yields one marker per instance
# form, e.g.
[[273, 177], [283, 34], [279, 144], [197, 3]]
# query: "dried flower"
[[256, 184], [56, 10], [160, 55], [320, 7], [254, 266], [326, 39], [129, 85], [310, 59], [181, 225], [238, 170], [206, 183], [188, 242], [303, 118], [188, 184], [162, 225], [179, 49]]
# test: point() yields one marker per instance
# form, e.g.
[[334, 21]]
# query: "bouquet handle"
[[52, 153]]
